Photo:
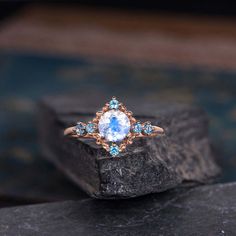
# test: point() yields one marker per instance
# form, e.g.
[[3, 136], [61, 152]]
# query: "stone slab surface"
[[205, 210]]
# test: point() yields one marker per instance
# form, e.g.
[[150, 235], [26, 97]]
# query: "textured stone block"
[[149, 165]]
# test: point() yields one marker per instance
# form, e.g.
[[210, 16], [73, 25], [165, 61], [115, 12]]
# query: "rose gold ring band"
[[71, 131], [114, 127]]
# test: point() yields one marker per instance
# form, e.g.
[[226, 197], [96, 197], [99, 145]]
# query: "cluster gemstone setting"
[[114, 127]]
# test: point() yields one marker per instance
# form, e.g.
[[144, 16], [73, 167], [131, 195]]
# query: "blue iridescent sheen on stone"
[[137, 128], [80, 128], [148, 129], [113, 104], [114, 125], [114, 150], [90, 128]]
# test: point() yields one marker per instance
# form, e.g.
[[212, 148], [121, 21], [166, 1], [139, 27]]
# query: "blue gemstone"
[[114, 104], [114, 125], [80, 128], [137, 128], [114, 150], [90, 128], [148, 129]]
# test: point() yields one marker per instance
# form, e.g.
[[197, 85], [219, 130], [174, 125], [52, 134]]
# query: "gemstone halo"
[[114, 127]]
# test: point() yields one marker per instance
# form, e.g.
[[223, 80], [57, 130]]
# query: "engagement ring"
[[114, 128]]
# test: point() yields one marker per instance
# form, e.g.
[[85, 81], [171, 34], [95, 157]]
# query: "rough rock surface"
[[149, 165], [205, 210]]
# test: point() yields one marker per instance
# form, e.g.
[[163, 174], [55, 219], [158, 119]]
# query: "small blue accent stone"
[[90, 128], [147, 129], [114, 150], [137, 128], [80, 128], [114, 104]]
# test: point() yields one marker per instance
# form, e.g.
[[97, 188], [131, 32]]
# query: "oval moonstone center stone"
[[114, 125]]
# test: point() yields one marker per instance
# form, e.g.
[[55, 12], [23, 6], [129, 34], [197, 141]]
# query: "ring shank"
[[70, 131], [158, 129]]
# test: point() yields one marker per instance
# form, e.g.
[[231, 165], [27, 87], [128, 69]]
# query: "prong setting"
[[135, 129]]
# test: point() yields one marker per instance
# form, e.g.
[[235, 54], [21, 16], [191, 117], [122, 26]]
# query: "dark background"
[[170, 51], [226, 8]]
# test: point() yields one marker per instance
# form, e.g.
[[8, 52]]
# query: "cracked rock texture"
[[201, 211], [149, 165]]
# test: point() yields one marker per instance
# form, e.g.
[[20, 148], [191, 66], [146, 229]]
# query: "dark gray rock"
[[201, 211], [148, 166]]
